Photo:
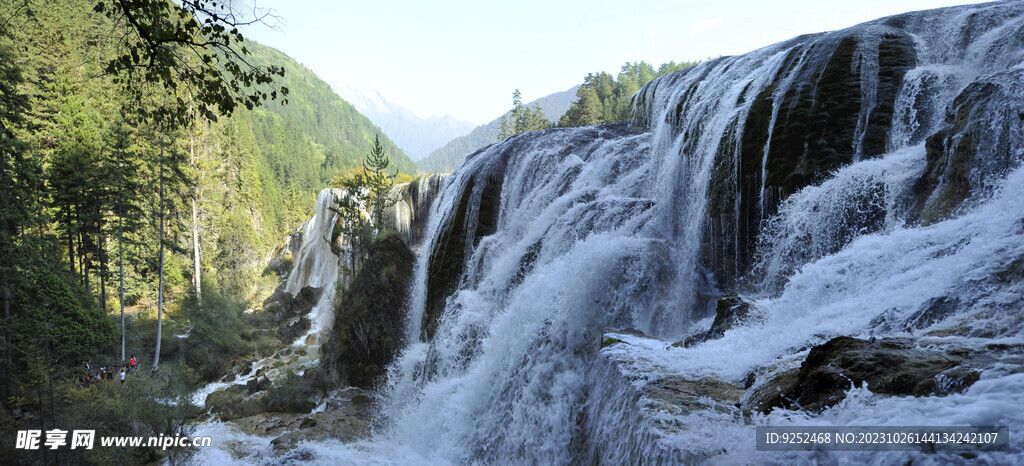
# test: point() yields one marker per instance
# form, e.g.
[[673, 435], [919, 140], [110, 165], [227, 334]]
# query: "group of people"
[[96, 376]]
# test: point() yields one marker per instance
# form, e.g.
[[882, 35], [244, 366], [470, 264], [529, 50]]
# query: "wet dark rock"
[[814, 133], [934, 311], [257, 384], [730, 311], [773, 393], [285, 313], [475, 216], [1012, 272], [981, 140], [527, 262], [282, 305], [295, 329], [889, 366]]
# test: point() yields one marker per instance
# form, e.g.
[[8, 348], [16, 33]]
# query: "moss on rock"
[[369, 320], [889, 366]]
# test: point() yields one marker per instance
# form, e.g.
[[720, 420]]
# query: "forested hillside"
[[93, 193], [339, 133]]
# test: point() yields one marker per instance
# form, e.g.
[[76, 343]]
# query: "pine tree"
[[604, 99], [379, 182], [522, 118], [20, 185], [126, 199], [366, 190], [537, 120], [504, 129]]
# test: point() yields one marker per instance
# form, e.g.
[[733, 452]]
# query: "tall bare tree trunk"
[[85, 260], [120, 253], [101, 249], [160, 291], [5, 292], [196, 252], [71, 251]]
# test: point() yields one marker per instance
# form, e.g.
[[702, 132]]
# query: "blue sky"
[[464, 58]]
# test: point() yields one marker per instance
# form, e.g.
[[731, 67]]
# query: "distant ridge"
[[416, 136], [449, 156]]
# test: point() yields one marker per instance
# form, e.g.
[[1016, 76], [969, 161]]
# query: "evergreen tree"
[[19, 187], [522, 118], [604, 99], [379, 182], [367, 190]]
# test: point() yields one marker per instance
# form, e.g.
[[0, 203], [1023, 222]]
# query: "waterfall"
[[412, 205], [792, 172], [839, 181], [317, 266]]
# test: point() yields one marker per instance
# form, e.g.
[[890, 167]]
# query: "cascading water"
[[839, 182], [316, 266], [412, 205]]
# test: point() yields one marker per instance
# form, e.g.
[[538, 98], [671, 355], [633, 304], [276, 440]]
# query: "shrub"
[[214, 340]]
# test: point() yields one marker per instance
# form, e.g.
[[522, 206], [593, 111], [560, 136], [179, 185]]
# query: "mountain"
[[416, 136], [451, 154], [339, 129]]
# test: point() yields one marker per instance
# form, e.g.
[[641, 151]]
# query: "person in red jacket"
[[131, 364]]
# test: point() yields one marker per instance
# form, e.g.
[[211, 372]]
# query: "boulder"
[[890, 366], [772, 392], [730, 311], [257, 384], [294, 329], [347, 419], [319, 427], [678, 395], [234, 402], [282, 306]]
